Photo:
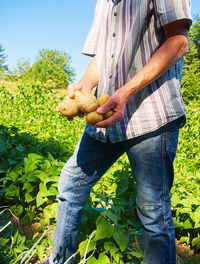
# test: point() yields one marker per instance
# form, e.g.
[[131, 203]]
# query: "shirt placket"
[[113, 37]]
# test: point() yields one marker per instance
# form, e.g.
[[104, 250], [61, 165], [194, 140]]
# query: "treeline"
[[51, 68]]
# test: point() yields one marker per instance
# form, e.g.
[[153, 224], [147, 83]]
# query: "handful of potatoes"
[[84, 104]]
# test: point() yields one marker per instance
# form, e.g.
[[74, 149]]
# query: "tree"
[[191, 70], [52, 67], [23, 66], [3, 57], [195, 34]]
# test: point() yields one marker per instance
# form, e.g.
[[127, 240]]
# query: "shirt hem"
[[134, 135]]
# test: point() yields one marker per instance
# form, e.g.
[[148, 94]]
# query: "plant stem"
[[5, 226]]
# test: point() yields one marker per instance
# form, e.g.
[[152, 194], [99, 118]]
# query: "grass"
[[12, 87]]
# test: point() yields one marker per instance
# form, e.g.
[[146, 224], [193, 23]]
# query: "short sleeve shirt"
[[124, 36]]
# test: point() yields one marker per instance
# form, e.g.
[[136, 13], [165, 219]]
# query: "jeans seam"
[[74, 174], [77, 189], [163, 150], [70, 214]]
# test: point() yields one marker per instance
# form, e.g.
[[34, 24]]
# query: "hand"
[[81, 86], [116, 103]]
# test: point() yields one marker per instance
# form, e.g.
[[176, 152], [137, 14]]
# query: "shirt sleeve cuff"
[[169, 17]]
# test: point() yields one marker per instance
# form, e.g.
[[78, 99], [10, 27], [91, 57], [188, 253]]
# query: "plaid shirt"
[[123, 36]]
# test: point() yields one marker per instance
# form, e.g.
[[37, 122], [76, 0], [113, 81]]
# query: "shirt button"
[[115, 14], [113, 34], [112, 55], [110, 76]]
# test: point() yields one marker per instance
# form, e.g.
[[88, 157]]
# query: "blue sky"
[[28, 26]]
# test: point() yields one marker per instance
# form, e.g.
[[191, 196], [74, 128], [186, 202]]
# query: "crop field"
[[36, 141]]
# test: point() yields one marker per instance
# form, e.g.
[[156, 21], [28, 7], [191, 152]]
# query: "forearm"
[[174, 47], [90, 78], [87, 82], [164, 58]]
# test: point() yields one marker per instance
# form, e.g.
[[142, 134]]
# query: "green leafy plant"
[[34, 144], [32, 186]]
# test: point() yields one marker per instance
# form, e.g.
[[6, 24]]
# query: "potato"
[[103, 99], [68, 107], [84, 103], [77, 94], [87, 103], [93, 118], [108, 114]]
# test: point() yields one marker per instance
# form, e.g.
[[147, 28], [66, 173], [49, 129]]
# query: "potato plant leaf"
[[121, 239]]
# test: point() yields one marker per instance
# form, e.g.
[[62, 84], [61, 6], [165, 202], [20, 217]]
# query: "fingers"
[[109, 105], [71, 90], [77, 86], [116, 117]]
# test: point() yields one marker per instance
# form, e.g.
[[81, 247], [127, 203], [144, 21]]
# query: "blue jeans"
[[151, 159]]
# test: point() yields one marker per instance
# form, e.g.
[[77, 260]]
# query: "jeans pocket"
[[171, 137]]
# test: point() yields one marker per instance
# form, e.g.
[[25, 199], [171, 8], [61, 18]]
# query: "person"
[[137, 50]]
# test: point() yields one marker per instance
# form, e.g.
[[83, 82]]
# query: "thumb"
[[71, 91]]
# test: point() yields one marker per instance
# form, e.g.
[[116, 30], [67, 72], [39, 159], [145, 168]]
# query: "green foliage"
[[15, 247], [31, 187], [185, 198], [5, 255], [31, 157], [35, 141], [3, 66], [52, 68], [29, 123], [195, 34], [191, 70], [31, 171], [22, 68]]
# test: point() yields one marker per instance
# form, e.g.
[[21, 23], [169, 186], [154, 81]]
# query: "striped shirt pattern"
[[123, 36]]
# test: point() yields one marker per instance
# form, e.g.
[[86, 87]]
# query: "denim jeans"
[[151, 159]]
